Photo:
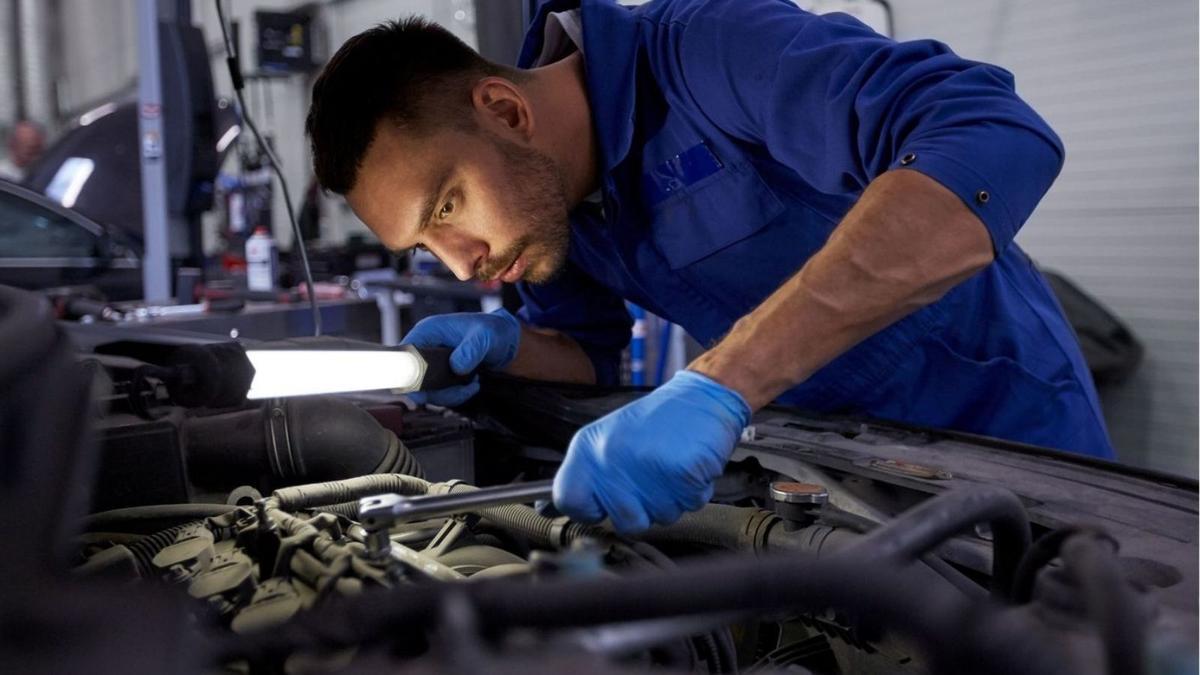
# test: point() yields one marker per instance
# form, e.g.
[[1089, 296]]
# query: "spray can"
[[262, 260]]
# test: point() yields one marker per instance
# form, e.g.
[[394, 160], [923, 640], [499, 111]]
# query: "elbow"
[[1058, 151], [972, 259], [1044, 154], [966, 249]]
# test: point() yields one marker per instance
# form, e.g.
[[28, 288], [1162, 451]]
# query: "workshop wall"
[[96, 45], [281, 105], [1118, 81], [8, 64], [98, 53]]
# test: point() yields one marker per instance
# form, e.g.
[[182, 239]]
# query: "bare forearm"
[[549, 355], [905, 244]]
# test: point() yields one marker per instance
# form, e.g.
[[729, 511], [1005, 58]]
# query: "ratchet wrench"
[[382, 511]]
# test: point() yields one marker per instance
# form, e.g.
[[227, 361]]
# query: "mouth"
[[515, 270]]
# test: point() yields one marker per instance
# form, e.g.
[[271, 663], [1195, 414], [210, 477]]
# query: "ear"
[[503, 107]]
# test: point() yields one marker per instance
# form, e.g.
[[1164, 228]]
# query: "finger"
[[624, 511], [452, 396], [572, 491], [471, 351], [696, 499], [435, 331], [579, 504], [664, 511], [546, 508]]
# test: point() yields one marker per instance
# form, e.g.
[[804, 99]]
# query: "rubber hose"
[[927, 525], [525, 521], [720, 526], [538, 529], [344, 509], [836, 517], [726, 647], [1111, 602], [407, 463], [45, 412], [301, 440], [147, 547], [28, 333], [350, 489], [865, 587], [715, 663], [748, 528], [1045, 549], [142, 518]]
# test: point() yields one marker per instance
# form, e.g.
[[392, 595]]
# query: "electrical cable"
[[235, 74]]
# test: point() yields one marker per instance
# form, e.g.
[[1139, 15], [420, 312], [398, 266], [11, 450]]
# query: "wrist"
[[751, 362], [510, 334], [729, 400], [717, 366]]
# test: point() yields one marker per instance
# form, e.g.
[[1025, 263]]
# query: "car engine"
[[151, 527]]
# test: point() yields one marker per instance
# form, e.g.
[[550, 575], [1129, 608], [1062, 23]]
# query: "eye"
[[447, 209]]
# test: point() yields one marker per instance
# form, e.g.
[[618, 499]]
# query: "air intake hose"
[[299, 440]]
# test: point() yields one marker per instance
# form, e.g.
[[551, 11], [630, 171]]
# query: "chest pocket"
[[701, 204]]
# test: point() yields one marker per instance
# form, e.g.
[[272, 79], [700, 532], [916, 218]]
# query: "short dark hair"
[[413, 73]]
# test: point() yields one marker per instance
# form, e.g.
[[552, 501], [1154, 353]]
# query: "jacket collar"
[[610, 60]]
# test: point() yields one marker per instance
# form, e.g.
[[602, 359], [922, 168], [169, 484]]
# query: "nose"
[[462, 253]]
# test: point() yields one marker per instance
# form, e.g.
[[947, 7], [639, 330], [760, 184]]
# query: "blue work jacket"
[[734, 135]]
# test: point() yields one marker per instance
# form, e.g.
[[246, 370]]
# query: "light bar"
[[285, 372]]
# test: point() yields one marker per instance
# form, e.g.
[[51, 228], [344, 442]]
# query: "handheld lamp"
[[294, 372]]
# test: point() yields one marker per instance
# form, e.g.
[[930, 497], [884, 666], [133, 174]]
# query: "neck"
[[560, 92]]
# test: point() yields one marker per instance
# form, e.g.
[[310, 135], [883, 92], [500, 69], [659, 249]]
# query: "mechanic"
[[829, 211], [26, 140]]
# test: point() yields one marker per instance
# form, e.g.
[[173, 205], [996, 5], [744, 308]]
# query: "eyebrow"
[[431, 200]]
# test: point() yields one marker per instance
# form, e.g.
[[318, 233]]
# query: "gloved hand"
[[487, 340], [653, 459]]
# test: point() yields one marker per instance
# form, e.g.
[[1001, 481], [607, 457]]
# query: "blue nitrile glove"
[[479, 340], [653, 459]]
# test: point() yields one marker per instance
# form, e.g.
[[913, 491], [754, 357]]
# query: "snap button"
[[908, 159], [982, 197]]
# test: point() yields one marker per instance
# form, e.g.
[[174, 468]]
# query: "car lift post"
[[156, 220]]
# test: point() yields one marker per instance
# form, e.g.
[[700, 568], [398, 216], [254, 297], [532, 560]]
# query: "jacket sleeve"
[[841, 104], [575, 304]]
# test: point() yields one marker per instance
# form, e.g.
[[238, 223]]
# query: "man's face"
[[25, 144], [487, 207]]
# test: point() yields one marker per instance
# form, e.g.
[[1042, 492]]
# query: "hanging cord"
[[235, 74]]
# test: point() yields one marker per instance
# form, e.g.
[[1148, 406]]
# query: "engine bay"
[[162, 536]]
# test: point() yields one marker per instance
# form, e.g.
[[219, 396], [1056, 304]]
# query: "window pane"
[[30, 231]]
